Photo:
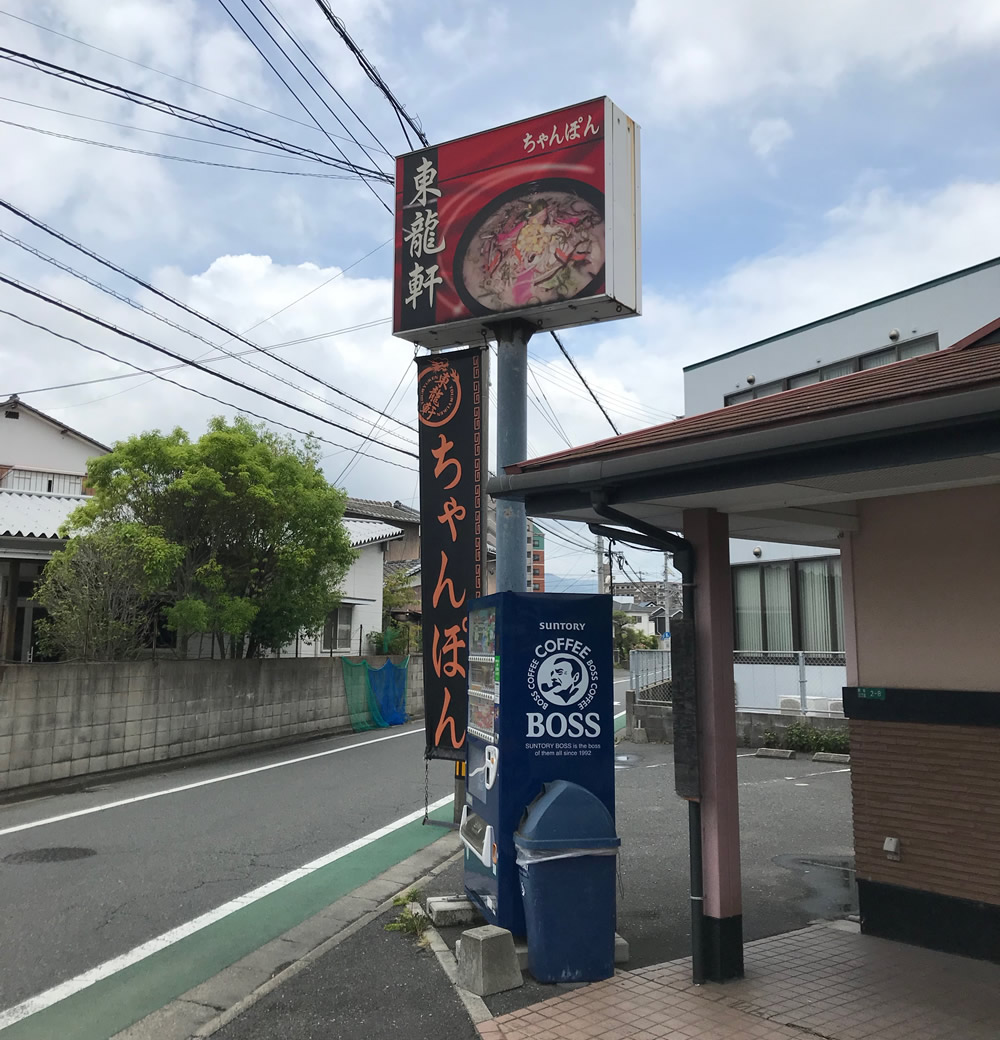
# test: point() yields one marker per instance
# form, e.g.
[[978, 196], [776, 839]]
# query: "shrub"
[[769, 739]]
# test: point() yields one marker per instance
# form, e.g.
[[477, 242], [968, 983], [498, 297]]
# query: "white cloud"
[[709, 55], [872, 245], [768, 135]]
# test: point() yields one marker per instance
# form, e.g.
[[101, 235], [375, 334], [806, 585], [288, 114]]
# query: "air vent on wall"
[[12, 415]]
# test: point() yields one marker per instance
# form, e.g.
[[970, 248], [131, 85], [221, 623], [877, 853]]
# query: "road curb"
[[214, 1003], [773, 752], [830, 756], [474, 1004]]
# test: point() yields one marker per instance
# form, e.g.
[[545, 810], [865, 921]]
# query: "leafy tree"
[[262, 547], [628, 638], [396, 636], [100, 593]]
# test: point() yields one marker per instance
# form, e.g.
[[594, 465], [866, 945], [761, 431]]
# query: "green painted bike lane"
[[108, 1006]]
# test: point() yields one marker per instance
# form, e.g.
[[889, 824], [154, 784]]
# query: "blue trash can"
[[566, 859]]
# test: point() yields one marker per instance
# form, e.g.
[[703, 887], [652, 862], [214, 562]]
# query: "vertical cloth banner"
[[452, 414]]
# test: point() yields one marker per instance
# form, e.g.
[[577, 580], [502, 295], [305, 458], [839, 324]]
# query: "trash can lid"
[[566, 816]]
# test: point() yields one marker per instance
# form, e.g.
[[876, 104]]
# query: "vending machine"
[[541, 708]]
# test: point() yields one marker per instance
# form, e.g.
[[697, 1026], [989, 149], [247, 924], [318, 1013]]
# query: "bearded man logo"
[[562, 680]]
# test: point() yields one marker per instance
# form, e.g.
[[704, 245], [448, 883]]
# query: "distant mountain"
[[570, 582]]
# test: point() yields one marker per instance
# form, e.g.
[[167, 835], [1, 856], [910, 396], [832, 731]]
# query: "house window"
[[784, 607], [337, 630], [876, 359]]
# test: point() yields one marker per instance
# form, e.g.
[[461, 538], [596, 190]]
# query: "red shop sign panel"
[[452, 419], [536, 220]]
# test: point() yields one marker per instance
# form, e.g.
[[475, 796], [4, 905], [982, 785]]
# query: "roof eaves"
[[906, 382]]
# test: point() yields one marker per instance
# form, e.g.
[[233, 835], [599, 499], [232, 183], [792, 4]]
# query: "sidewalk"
[[825, 981]]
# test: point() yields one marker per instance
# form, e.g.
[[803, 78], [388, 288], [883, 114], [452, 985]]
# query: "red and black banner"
[[451, 407]]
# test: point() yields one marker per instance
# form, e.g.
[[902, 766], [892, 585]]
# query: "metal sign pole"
[[512, 446]]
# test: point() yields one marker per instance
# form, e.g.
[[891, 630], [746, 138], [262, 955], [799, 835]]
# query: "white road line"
[[203, 783], [825, 772], [41, 1001]]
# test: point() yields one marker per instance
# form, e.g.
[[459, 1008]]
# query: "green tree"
[[262, 546], [396, 636], [627, 638], [101, 593]]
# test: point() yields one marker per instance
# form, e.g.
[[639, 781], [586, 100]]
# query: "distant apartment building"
[[535, 559]]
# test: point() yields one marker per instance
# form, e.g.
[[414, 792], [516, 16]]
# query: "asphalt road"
[[80, 891]]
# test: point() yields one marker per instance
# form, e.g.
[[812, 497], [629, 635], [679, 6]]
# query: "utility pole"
[[602, 581], [512, 446]]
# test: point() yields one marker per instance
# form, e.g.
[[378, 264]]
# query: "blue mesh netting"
[[388, 687], [375, 697]]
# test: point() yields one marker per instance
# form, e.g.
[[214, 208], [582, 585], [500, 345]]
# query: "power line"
[[149, 130], [179, 112], [624, 405], [323, 76], [584, 381], [159, 72], [191, 389], [218, 357], [374, 426], [372, 73], [38, 294], [108, 290], [554, 422], [290, 88], [195, 313], [175, 158]]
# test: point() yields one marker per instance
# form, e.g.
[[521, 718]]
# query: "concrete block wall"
[[657, 721], [65, 720]]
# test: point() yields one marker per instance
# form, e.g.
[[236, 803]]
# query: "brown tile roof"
[[968, 364], [369, 508]]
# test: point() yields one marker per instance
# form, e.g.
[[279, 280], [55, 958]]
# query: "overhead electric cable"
[[173, 368], [149, 130], [344, 101], [108, 290], [241, 337], [556, 374], [186, 114], [584, 381], [375, 425], [371, 72], [175, 158], [191, 389], [159, 72], [100, 322], [256, 46]]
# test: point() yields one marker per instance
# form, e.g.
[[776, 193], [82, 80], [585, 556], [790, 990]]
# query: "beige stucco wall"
[[925, 575]]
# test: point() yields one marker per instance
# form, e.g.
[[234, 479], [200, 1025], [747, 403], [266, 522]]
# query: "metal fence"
[[649, 674]]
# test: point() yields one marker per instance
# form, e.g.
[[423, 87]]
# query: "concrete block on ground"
[[487, 962], [640, 736], [773, 752], [451, 910], [621, 950], [830, 756]]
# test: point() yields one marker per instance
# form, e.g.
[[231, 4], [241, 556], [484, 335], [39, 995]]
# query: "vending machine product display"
[[541, 708]]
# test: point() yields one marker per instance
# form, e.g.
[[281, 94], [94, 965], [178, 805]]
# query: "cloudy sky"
[[797, 159]]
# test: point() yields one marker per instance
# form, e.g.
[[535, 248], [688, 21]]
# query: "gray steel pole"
[[512, 446]]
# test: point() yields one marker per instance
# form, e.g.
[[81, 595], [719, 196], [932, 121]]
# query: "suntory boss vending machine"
[[541, 708]]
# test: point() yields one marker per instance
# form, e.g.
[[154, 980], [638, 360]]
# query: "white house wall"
[[741, 550], [361, 589], [32, 443], [953, 310], [764, 687]]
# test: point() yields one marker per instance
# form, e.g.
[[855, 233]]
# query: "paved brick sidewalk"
[[828, 981]]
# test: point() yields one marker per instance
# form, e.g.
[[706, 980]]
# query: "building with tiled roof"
[[894, 462]]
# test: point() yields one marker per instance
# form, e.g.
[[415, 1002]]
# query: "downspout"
[[684, 560]]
